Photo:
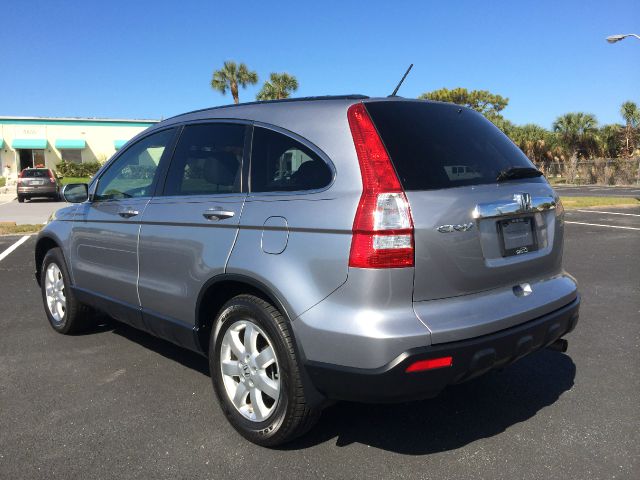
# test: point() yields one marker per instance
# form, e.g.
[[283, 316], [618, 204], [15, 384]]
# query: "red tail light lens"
[[431, 364], [383, 227], [52, 178]]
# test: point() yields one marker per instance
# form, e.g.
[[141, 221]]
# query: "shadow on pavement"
[[460, 415]]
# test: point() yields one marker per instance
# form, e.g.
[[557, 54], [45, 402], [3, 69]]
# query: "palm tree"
[[231, 76], [631, 114], [577, 132], [279, 86]]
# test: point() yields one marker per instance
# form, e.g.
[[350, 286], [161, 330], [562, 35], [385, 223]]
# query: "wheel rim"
[[250, 370], [54, 291]]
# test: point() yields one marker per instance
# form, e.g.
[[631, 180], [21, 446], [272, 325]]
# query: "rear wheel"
[[20, 199], [66, 315], [255, 373]]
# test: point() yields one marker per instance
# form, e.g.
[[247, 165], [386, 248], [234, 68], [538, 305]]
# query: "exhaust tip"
[[560, 345]]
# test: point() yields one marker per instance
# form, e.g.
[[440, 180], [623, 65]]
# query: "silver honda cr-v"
[[320, 249]]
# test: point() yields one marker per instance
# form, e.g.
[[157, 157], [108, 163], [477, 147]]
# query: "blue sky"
[[153, 59]]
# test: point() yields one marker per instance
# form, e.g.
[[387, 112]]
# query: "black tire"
[[76, 317], [20, 199], [292, 416]]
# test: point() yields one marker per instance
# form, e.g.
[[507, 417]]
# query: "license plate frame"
[[510, 229]]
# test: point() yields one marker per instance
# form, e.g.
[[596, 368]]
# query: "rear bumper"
[[471, 358], [44, 190]]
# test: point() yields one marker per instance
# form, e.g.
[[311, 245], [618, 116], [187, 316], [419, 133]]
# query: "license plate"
[[37, 182], [517, 236]]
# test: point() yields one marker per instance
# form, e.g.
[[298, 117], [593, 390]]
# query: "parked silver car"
[[37, 182], [316, 250]]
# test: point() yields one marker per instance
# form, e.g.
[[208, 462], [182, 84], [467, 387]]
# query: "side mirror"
[[75, 192]]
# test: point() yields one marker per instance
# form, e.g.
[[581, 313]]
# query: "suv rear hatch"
[[473, 232]]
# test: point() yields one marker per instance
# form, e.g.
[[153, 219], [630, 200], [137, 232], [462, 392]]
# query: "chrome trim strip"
[[515, 207]]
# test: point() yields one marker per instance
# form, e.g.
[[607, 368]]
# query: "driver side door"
[[104, 240]]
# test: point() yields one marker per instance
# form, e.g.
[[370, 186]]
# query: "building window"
[[71, 156]]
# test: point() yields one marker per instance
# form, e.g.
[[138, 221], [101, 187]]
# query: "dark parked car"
[[38, 182], [345, 248]]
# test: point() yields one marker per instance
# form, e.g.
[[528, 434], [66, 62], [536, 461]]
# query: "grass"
[[9, 228], [584, 202], [67, 180]]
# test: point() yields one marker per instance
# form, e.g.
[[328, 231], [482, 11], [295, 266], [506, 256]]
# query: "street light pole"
[[617, 38]]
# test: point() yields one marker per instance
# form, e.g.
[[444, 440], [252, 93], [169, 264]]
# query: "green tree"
[[232, 76], [483, 101], [631, 115], [609, 137], [577, 132], [279, 86]]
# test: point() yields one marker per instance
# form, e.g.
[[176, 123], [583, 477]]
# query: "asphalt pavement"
[[598, 191], [34, 212], [118, 403]]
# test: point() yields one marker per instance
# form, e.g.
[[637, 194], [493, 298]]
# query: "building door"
[[26, 159], [30, 158]]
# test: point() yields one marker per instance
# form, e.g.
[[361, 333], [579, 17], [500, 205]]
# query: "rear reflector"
[[430, 364]]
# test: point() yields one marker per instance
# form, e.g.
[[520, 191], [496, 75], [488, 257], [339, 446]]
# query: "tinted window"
[[36, 173], [438, 145], [207, 160], [280, 163], [133, 172]]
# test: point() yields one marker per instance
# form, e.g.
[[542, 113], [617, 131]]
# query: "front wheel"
[[255, 373], [66, 315]]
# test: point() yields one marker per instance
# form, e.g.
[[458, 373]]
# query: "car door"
[[189, 229], [104, 240]]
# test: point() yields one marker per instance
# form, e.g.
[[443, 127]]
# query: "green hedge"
[[3, 182], [69, 169]]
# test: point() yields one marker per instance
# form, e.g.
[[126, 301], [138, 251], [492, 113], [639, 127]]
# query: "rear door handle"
[[128, 213], [217, 214]]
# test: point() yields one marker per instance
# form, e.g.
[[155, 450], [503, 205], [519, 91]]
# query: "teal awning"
[[1, 142], [119, 143], [34, 143], [71, 144]]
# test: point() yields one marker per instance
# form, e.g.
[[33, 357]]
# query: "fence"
[[604, 171]]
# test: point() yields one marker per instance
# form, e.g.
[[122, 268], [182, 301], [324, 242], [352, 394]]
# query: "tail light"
[[383, 227], [52, 178], [20, 177]]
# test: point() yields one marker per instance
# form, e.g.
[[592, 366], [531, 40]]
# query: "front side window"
[[279, 164], [207, 160], [133, 173]]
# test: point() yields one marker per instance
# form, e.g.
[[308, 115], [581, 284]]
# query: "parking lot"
[[118, 403]]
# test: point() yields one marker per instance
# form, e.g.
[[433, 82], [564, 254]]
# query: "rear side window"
[[36, 173], [207, 160], [280, 163], [438, 145]]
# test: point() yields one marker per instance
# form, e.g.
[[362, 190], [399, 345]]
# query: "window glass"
[[132, 174], [36, 173], [438, 145], [73, 156], [280, 163], [207, 160]]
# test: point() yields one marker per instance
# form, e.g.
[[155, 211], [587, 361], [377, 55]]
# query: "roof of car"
[[354, 96]]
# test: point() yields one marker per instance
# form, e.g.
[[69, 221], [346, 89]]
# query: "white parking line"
[[600, 225], [8, 251], [610, 213]]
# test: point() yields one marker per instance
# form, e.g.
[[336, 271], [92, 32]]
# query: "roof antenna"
[[400, 84]]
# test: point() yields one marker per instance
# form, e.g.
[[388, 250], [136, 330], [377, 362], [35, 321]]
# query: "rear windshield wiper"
[[518, 172]]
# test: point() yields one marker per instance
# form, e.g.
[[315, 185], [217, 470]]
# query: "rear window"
[[439, 145], [35, 173]]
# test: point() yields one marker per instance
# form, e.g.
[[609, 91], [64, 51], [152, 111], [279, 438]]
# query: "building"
[[34, 141]]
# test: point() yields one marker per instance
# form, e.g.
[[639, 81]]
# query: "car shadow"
[[165, 348], [461, 414]]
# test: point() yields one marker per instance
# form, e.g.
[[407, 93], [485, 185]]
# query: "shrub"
[[70, 169], [3, 182]]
